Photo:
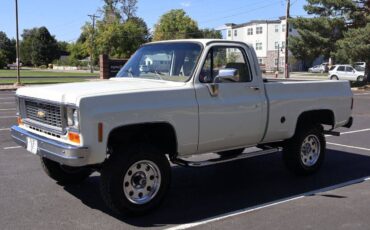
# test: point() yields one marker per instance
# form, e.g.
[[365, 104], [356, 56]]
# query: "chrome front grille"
[[44, 113]]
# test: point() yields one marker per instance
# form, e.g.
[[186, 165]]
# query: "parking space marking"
[[266, 205], [356, 131], [4, 129], [7, 98], [10, 109], [7, 117], [359, 94], [348, 146], [12, 147], [7, 103]]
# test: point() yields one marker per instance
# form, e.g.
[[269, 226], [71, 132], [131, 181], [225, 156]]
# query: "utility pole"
[[17, 45], [286, 40], [93, 17]]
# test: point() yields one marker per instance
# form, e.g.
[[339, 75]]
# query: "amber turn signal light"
[[74, 137], [19, 121], [100, 132]]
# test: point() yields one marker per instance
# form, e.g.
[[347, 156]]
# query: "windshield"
[[165, 61]]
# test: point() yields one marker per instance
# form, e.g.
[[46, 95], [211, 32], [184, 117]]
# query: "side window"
[[225, 60], [349, 69], [340, 68]]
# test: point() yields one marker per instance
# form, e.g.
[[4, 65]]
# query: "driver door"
[[233, 117]]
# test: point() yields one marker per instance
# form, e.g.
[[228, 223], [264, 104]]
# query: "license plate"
[[32, 145]]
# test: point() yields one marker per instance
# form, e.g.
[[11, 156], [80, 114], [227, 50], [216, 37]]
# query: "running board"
[[198, 164]]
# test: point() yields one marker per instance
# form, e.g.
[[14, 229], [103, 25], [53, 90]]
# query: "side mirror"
[[227, 75]]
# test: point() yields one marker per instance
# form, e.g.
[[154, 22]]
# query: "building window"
[[276, 45], [235, 33], [283, 27], [276, 28], [229, 33], [259, 30], [260, 61], [283, 45], [259, 46], [250, 31]]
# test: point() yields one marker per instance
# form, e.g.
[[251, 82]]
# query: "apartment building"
[[267, 38]]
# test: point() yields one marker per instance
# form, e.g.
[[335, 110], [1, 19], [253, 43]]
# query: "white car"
[[209, 97], [317, 69], [346, 72]]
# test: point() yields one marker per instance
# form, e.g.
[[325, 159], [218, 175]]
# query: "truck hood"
[[71, 93]]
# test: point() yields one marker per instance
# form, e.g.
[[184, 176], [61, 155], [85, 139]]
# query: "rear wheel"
[[305, 152], [65, 174], [135, 181], [360, 78], [334, 77]]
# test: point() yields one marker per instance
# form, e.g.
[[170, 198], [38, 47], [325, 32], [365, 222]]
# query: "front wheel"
[[135, 181], [334, 77], [360, 78], [305, 152], [65, 174]]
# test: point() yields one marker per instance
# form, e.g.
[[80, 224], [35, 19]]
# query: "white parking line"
[[356, 131], [6, 103], [10, 109], [8, 117], [4, 129], [348, 146], [7, 98], [13, 147], [359, 94], [258, 207]]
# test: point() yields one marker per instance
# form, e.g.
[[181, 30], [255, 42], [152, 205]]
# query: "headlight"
[[72, 117]]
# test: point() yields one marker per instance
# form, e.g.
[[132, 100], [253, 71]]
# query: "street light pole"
[[17, 44], [286, 40], [93, 17]]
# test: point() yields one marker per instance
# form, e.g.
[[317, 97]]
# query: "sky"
[[64, 18]]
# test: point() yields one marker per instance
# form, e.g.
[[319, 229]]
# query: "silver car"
[[346, 72], [317, 69]]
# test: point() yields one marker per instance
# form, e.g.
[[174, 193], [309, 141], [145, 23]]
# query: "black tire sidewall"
[[292, 151], [56, 171], [113, 176]]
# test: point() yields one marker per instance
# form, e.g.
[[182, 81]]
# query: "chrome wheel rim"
[[142, 182], [310, 150]]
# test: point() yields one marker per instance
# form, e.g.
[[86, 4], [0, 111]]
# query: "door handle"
[[255, 88]]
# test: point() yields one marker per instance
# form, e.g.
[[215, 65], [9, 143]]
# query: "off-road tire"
[[65, 174], [113, 178], [294, 151]]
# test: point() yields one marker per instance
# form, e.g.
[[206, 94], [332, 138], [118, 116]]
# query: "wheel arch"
[[160, 134], [320, 116]]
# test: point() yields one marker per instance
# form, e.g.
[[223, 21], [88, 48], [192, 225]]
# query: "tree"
[[175, 24], [7, 50], [210, 33], [38, 47], [129, 8], [338, 30], [119, 39]]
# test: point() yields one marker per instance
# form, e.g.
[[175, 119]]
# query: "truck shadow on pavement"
[[202, 193]]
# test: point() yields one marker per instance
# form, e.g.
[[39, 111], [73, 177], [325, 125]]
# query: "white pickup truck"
[[172, 100]]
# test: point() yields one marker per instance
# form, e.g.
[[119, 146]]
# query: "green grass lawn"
[[44, 76], [44, 73], [42, 80]]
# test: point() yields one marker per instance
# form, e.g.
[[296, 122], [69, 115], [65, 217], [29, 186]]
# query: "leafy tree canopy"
[[38, 47]]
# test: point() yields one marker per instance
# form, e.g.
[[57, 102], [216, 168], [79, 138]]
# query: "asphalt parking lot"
[[256, 193]]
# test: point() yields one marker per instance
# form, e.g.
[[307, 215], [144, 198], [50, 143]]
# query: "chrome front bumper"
[[54, 150]]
